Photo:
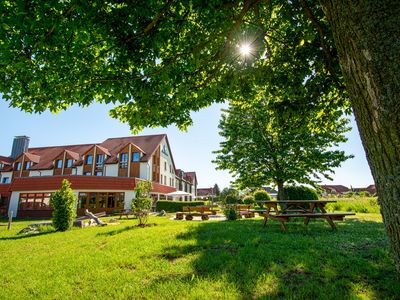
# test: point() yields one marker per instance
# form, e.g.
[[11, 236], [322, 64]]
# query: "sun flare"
[[245, 49]]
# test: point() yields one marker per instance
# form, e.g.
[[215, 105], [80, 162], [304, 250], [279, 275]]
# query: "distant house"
[[205, 193], [335, 189], [370, 189]]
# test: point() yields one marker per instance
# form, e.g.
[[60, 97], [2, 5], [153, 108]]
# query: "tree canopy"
[[273, 142], [157, 60]]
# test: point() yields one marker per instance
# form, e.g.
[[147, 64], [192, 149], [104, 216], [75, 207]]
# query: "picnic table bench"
[[126, 213], [190, 211], [308, 209], [244, 210]]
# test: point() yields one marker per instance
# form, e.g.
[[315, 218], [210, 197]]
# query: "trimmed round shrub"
[[300, 193], [231, 199], [230, 213], [63, 202], [249, 199], [261, 195]]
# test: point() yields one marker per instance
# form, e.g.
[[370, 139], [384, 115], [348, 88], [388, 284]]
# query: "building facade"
[[102, 175]]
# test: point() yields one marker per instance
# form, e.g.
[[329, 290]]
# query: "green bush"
[[249, 199], [141, 204], [63, 202], [261, 195], [230, 213], [232, 199], [174, 206], [299, 193]]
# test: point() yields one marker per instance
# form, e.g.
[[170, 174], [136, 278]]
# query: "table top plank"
[[296, 201]]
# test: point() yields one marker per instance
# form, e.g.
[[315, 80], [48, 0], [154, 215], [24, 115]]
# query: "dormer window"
[[135, 156], [99, 160], [1, 166], [69, 163], [18, 166], [123, 163], [59, 164], [89, 159], [27, 165]]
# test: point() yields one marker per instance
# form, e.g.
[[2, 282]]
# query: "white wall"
[[79, 170], [166, 158], [34, 173], [111, 170], [146, 170]]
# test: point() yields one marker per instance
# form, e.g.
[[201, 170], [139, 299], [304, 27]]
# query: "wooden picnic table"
[[307, 209]]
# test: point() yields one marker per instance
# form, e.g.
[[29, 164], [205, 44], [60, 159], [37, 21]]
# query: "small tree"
[[63, 202], [141, 204]]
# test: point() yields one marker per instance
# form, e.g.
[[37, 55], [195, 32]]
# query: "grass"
[[200, 260], [355, 204]]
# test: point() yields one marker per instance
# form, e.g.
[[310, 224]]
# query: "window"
[[82, 200], [1, 166], [58, 164], [27, 165], [99, 159], [18, 166], [69, 163], [99, 173], [102, 200], [111, 200], [38, 201], [165, 166], [123, 163], [164, 150], [5, 180], [89, 159], [87, 173], [120, 200], [92, 200], [135, 156]]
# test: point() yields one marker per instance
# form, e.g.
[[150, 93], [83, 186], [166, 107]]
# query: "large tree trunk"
[[281, 193], [367, 36]]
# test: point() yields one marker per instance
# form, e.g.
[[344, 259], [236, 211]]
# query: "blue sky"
[[192, 150]]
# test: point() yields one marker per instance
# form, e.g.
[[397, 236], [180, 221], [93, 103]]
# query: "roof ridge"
[[63, 146], [132, 136]]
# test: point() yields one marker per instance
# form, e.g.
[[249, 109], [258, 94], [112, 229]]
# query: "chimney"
[[20, 145]]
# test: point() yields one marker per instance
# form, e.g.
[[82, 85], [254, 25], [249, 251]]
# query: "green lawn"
[[200, 260]]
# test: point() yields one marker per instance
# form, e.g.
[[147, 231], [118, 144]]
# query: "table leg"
[[283, 227], [266, 216], [312, 208], [330, 221]]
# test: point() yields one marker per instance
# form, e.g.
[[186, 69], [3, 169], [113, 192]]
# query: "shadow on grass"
[[26, 235], [117, 231], [310, 262]]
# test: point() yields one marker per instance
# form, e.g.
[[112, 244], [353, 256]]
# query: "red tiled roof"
[[6, 160], [32, 157], [337, 188], [104, 150], [48, 154], [205, 191], [192, 176], [148, 143], [162, 189], [73, 155]]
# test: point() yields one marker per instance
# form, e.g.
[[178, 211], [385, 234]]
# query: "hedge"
[[300, 193], [174, 206]]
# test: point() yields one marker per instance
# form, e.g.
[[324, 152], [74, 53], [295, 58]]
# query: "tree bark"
[[281, 193], [367, 36]]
